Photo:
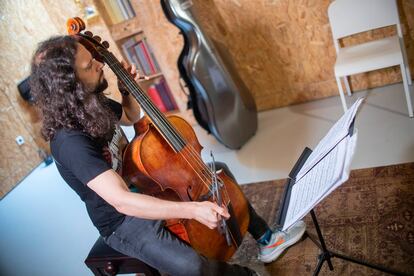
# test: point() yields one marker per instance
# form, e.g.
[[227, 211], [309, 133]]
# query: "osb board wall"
[[24, 25], [284, 49]]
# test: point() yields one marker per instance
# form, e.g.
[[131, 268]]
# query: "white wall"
[[45, 229]]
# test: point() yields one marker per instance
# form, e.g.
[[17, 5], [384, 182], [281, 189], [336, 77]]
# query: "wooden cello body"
[[221, 102], [152, 165], [163, 160]]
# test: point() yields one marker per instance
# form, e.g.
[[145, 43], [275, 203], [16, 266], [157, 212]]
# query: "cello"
[[163, 160]]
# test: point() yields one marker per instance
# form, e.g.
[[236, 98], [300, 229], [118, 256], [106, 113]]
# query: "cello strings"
[[177, 138], [128, 81], [142, 97]]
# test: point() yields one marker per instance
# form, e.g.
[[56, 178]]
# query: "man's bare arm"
[[112, 188]]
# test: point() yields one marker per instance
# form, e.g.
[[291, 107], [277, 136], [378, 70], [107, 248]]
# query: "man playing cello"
[[79, 121]]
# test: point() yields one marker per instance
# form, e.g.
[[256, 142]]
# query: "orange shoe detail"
[[277, 243]]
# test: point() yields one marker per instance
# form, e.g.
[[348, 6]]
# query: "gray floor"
[[386, 135]]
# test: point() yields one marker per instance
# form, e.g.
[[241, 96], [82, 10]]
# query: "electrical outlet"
[[20, 140]]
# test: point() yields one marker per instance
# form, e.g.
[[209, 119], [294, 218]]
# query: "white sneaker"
[[281, 240]]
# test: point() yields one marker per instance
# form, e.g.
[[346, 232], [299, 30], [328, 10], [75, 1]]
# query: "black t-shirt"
[[79, 159]]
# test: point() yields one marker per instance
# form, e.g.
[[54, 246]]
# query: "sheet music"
[[321, 180], [338, 131], [347, 162]]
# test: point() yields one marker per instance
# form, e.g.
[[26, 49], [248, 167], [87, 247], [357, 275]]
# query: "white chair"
[[349, 17]]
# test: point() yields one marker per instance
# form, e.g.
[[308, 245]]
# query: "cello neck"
[[156, 116]]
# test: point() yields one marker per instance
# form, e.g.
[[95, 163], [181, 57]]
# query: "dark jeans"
[[150, 242]]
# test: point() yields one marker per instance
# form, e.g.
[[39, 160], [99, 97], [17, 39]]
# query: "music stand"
[[326, 254]]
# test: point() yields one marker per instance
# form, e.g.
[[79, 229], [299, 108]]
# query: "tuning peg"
[[88, 33], [105, 44], [81, 23], [97, 38]]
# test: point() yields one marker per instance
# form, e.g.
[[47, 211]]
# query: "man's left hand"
[[132, 70]]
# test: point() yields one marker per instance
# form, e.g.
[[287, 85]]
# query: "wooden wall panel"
[[24, 23], [284, 50]]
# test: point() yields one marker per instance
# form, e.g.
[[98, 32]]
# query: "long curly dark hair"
[[63, 100]]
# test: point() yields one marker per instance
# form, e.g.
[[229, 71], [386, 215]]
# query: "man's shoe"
[[281, 240]]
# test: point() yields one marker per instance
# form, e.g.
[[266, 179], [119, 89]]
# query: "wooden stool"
[[103, 261]]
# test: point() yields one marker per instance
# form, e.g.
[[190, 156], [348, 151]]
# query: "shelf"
[[172, 112], [125, 29], [151, 77], [130, 39]]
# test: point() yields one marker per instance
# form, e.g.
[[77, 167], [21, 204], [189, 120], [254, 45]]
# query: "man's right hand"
[[209, 213]]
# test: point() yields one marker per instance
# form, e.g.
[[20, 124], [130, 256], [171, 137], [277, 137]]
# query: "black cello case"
[[221, 102]]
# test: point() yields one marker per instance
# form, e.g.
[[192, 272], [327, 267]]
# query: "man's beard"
[[97, 104], [100, 88]]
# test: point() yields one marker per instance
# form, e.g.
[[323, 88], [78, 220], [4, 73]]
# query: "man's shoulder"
[[63, 134], [69, 137], [73, 144]]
